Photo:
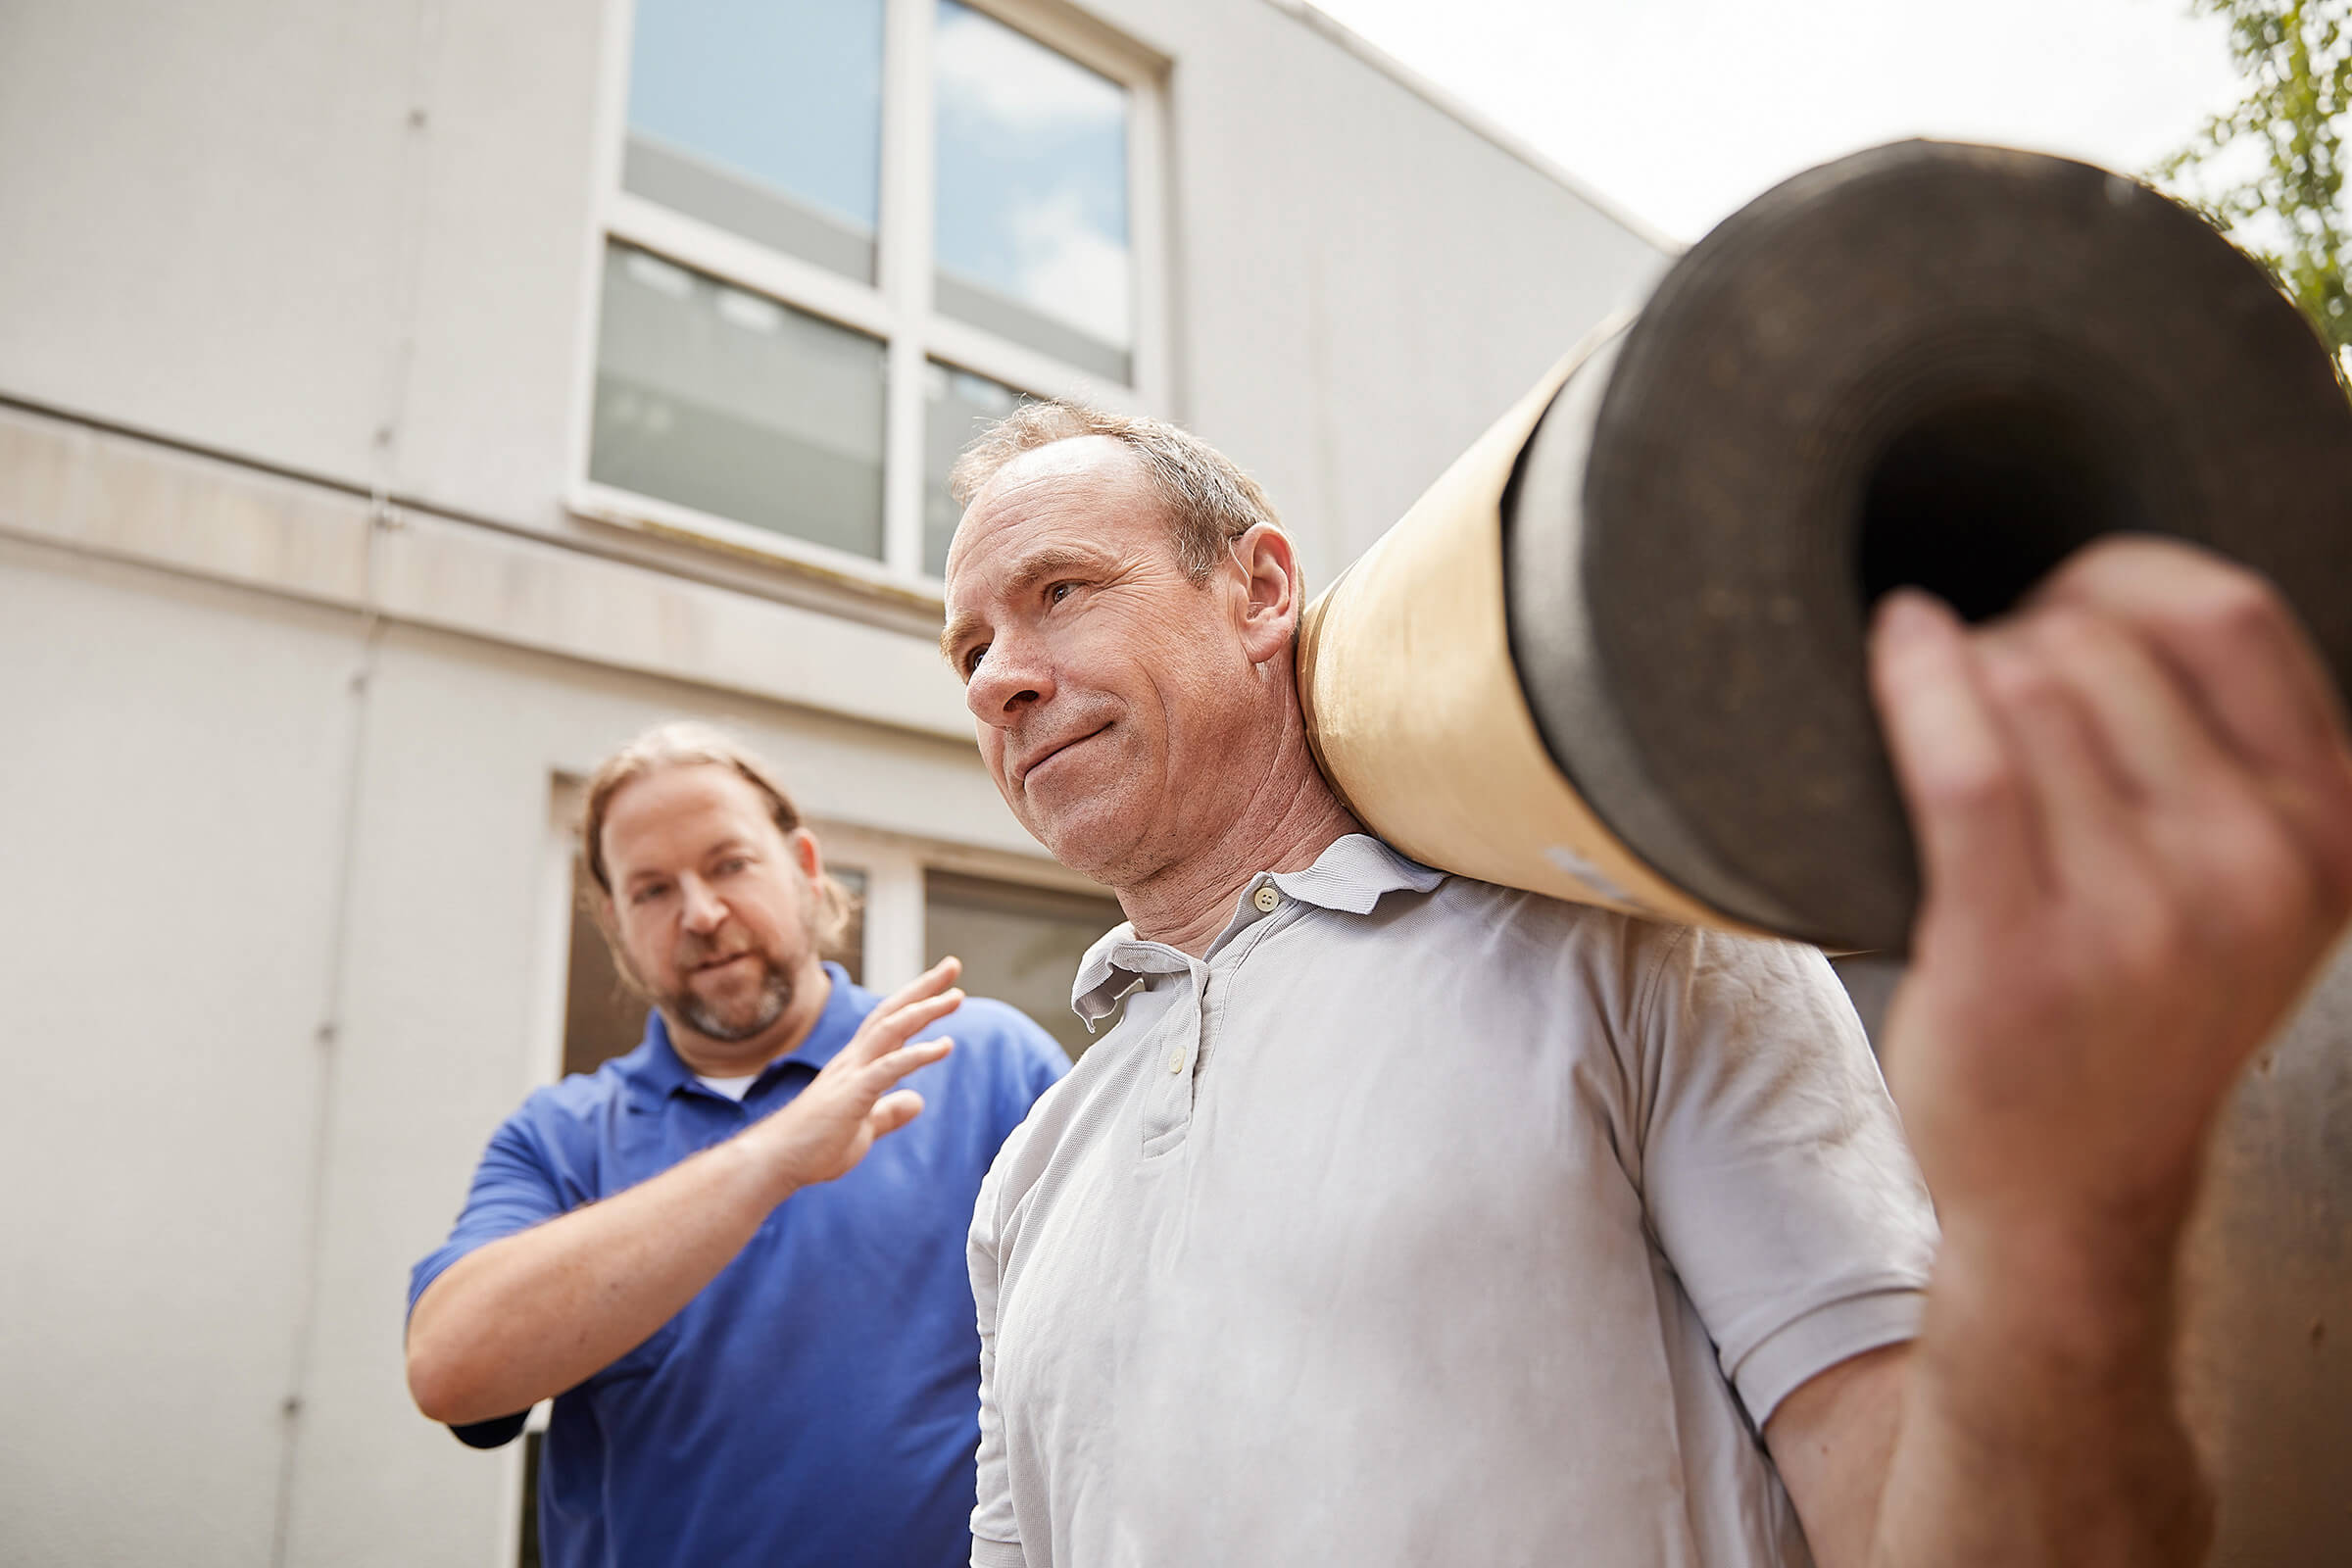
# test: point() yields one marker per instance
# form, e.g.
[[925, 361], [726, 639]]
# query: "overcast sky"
[[1680, 113]]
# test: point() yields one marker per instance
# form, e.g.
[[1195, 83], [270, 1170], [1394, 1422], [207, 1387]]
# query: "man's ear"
[[1273, 593], [805, 852]]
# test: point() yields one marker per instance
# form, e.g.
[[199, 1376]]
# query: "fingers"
[[2229, 633], [885, 1031], [2091, 842], [2200, 820], [1980, 838], [907, 1010], [894, 1111], [2226, 639], [930, 983], [880, 1073], [2150, 733]]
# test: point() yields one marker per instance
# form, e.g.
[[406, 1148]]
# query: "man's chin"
[[733, 1022], [1096, 844]]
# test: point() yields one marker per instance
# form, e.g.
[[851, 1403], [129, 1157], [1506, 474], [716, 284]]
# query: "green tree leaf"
[[2269, 170]]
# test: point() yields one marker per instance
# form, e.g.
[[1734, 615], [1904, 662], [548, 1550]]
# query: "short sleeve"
[[512, 1191], [1773, 1169], [996, 1537]]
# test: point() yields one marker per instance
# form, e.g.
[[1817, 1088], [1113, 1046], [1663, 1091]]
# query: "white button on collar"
[[1266, 897], [1176, 1062]]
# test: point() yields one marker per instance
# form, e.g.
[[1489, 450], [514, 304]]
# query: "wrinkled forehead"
[[1086, 492]]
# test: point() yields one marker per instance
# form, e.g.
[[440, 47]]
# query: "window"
[[727, 402], [839, 234], [1020, 944], [957, 407], [764, 120], [1031, 203]]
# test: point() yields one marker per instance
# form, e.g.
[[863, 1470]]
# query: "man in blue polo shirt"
[[735, 1257]]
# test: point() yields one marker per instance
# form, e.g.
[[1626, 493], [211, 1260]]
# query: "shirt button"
[[1176, 1062], [1266, 899]]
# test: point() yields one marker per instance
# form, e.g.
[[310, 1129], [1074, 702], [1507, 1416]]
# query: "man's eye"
[[732, 864], [649, 892], [971, 661], [1060, 591]]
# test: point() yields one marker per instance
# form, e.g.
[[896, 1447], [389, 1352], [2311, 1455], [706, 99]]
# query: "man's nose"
[[702, 910], [1011, 680]]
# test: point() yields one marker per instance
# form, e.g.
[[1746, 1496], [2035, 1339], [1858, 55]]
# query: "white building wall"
[[175, 780], [276, 231], [284, 948]]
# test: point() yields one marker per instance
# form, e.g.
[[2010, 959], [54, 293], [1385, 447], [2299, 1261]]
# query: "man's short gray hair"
[[1211, 501]]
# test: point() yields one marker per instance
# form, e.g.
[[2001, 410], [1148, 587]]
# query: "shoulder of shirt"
[[991, 1025], [1494, 902], [580, 1096], [1534, 933]]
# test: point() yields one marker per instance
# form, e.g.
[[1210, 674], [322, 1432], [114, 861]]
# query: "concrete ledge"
[[114, 495]]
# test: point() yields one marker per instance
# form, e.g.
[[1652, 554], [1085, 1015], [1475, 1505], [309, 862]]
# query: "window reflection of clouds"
[[787, 92], [957, 407], [1032, 201]]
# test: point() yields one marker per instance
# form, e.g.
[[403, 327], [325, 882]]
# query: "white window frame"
[[894, 907], [898, 308]]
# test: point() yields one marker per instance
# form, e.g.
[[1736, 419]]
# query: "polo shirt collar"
[[1350, 877], [656, 1070]]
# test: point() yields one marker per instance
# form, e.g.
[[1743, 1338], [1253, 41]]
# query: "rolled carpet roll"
[[1616, 653]]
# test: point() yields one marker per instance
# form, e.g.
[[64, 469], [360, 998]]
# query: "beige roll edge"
[[1414, 709]]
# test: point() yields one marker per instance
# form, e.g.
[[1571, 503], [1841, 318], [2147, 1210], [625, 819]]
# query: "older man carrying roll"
[[1403, 1218]]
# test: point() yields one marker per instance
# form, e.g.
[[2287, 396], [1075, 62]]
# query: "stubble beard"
[[736, 1024], [776, 992]]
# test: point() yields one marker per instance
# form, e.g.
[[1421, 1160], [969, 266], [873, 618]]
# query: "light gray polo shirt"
[[1427, 1221]]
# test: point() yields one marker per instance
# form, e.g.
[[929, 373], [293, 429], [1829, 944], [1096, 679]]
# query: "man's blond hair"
[[1211, 501], [686, 744]]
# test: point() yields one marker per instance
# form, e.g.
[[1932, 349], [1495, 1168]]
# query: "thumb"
[[893, 1110]]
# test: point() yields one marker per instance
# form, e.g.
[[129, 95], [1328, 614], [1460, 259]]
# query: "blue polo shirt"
[[818, 1402]]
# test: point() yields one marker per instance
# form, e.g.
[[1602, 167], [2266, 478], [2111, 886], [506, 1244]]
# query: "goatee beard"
[[775, 996]]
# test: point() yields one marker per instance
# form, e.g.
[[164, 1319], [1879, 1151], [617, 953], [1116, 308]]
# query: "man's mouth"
[[714, 965], [1030, 769]]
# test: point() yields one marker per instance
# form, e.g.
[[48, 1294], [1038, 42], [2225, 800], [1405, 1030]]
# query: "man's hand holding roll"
[[2133, 805]]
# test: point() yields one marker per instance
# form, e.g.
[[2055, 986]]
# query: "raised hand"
[[826, 1130], [2133, 804], [2134, 801]]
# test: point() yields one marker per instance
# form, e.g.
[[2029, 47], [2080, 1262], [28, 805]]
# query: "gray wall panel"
[[204, 212]]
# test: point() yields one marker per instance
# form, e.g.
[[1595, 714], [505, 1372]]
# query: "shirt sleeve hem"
[[421, 1278], [987, 1554], [495, 1433], [1785, 1360]]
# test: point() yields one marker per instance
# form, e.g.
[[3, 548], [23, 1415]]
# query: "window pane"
[[1032, 206], [849, 950], [1018, 944], [602, 1017], [733, 404], [957, 406], [763, 117]]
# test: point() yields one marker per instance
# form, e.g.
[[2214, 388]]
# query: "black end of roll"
[[1928, 364]]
